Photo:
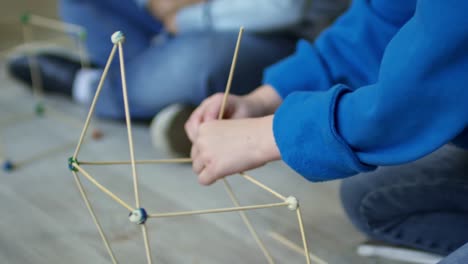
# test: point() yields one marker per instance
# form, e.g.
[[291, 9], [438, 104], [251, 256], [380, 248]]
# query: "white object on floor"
[[398, 253], [160, 126], [83, 85]]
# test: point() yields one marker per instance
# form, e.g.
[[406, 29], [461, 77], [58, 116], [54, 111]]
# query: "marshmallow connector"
[[118, 37], [293, 203]]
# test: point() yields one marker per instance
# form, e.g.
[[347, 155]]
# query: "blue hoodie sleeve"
[[418, 103], [348, 52]]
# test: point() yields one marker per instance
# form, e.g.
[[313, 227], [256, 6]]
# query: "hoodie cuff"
[[306, 134]]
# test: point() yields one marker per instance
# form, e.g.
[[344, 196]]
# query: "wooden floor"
[[45, 221]]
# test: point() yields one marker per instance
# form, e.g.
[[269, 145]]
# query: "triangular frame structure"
[[28, 21], [138, 214]]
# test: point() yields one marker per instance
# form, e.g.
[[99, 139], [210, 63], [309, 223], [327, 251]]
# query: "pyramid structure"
[[40, 109], [138, 213]]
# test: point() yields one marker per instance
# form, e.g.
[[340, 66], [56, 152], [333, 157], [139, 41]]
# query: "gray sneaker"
[[167, 130], [398, 253]]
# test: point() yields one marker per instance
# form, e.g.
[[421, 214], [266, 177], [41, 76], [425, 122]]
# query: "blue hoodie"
[[386, 84]]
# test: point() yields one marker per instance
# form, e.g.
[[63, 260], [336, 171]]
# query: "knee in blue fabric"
[[407, 213]]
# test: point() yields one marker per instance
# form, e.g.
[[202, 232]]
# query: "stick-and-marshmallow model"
[[140, 215]]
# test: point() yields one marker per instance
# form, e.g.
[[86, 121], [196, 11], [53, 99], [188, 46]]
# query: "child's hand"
[[236, 107], [261, 102], [225, 147]]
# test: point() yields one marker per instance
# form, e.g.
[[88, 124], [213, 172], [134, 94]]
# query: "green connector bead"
[[72, 161], [40, 109], [25, 18]]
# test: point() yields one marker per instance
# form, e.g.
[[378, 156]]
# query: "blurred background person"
[[177, 52]]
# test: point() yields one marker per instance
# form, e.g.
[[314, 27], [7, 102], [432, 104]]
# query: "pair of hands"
[[243, 141], [166, 11]]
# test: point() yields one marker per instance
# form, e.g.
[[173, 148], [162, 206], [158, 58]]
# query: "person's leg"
[[458, 257], [188, 68], [423, 205], [101, 18]]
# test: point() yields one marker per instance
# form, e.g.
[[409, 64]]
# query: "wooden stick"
[[102, 188], [247, 223], [226, 184], [124, 162], [144, 231], [36, 79], [59, 116], [62, 117], [93, 216], [44, 154], [263, 186], [129, 125], [17, 119], [93, 104], [6, 52], [303, 235], [214, 211], [289, 244], [83, 53], [55, 25], [84, 59], [231, 74]]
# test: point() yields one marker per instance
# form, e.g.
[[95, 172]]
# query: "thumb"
[[205, 178]]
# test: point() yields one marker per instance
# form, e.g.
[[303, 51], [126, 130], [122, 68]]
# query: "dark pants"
[[423, 204], [185, 68]]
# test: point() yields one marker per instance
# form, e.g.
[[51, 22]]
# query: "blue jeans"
[[458, 257], [423, 204], [185, 68]]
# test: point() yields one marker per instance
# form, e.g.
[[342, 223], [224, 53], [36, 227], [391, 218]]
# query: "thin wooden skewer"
[[21, 48], [95, 219], [263, 186], [249, 225], [133, 162], [6, 51], [16, 119], [93, 104], [226, 184], [221, 210], [84, 59], [289, 244], [220, 116], [303, 235], [129, 125], [63, 27], [102, 188], [124, 162], [130, 144], [54, 24], [231, 74], [36, 79], [62, 118], [32, 43], [50, 111], [144, 231], [44, 154]]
